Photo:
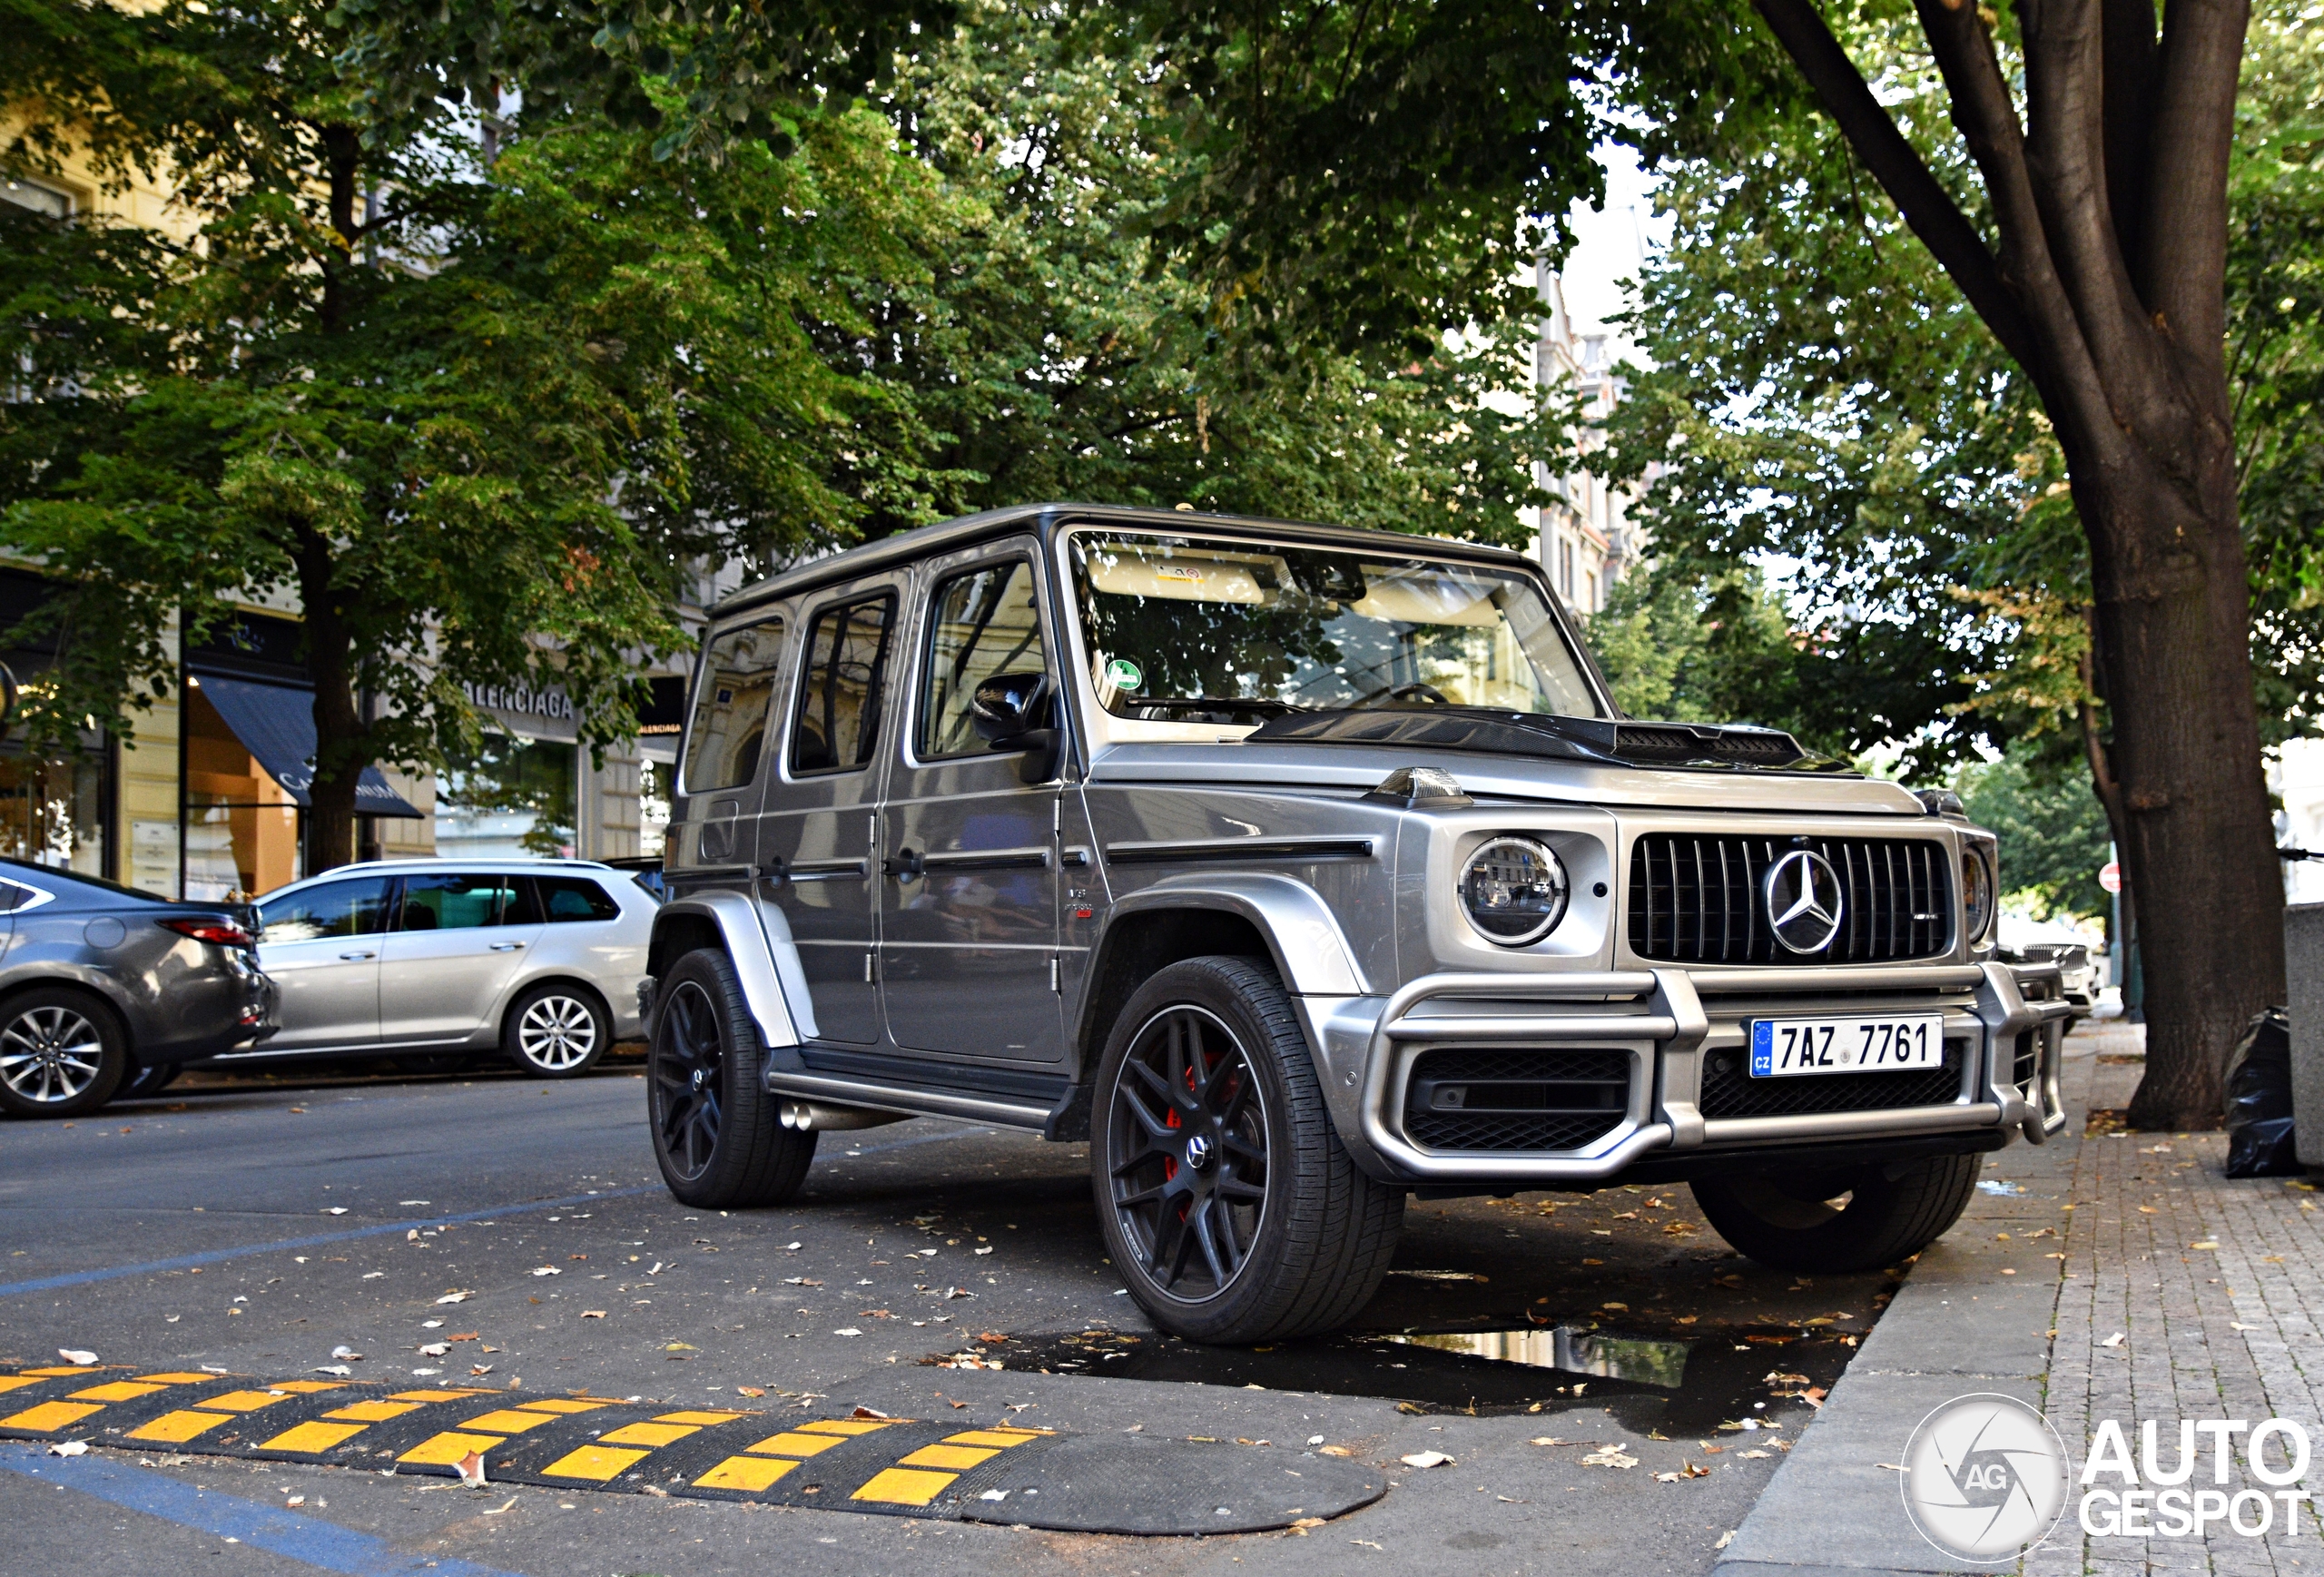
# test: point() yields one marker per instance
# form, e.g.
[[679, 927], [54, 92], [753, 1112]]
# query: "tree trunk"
[[2107, 284], [342, 741]]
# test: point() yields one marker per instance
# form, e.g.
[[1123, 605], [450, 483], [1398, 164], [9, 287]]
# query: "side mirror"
[[1010, 711], [1010, 705]]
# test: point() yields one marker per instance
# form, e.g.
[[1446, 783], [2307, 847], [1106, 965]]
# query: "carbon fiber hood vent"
[[1697, 746]]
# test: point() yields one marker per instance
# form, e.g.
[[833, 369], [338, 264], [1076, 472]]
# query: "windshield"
[[1201, 630]]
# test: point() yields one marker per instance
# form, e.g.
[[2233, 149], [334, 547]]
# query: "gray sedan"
[[540, 959], [105, 986]]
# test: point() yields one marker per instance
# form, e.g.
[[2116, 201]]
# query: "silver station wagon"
[[1298, 870]]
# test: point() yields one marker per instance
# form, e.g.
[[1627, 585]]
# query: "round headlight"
[[1977, 907], [1514, 889]]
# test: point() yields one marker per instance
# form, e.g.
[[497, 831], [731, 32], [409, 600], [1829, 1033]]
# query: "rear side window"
[[838, 726], [571, 898], [730, 708], [355, 907], [454, 901], [985, 622]]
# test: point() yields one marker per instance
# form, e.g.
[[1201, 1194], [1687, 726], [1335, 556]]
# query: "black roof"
[[1047, 519]]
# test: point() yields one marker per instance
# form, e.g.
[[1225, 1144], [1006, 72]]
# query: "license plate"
[[1783, 1047]]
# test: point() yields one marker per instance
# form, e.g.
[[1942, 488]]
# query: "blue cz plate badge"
[[1786, 1047]]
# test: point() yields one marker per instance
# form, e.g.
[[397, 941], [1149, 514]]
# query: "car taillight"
[[224, 932]]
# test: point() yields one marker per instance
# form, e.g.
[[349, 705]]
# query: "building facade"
[[1586, 539]]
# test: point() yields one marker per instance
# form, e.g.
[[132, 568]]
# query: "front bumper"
[[2005, 1022]]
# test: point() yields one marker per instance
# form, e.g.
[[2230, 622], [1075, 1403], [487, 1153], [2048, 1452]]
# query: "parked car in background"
[[2039, 941], [102, 987], [540, 959], [646, 869]]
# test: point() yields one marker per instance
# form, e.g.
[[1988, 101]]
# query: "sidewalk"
[[2021, 1297]]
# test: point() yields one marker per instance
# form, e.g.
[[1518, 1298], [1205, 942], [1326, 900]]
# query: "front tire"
[[1229, 1204], [1802, 1222], [717, 1135], [557, 1032], [151, 1079], [61, 1054]]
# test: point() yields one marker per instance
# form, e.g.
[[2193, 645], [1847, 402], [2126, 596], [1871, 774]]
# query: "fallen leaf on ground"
[[1426, 1459], [336, 1210], [1333, 1451], [870, 1412], [752, 1390], [549, 1270], [2113, 1341], [67, 1447], [1300, 1525], [471, 1469], [495, 1510], [76, 1355], [682, 1347], [2206, 1243], [1549, 1440], [348, 1353], [296, 1500], [848, 1331], [990, 1336], [1610, 1456], [479, 1368], [455, 1297], [1725, 1539], [434, 1350], [960, 1292], [341, 1370], [1754, 1455], [593, 1313]]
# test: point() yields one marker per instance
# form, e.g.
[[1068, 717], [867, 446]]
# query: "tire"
[[557, 1032], [151, 1079], [1268, 1231], [62, 1053], [716, 1133], [1789, 1221]]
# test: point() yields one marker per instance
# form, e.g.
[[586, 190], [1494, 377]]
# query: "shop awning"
[[276, 723]]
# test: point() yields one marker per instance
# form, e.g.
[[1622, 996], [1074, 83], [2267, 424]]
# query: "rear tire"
[[717, 1135], [62, 1053], [1231, 1208], [151, 1079], [557, 1032], [1789, 1221]]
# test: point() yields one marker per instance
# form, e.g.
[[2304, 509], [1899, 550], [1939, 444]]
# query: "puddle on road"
[[1688, 1386]]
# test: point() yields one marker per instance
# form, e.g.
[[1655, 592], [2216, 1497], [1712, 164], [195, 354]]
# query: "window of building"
[[512, 798], [986, 622], [51, 812], [838, 726], [40, 199], [241, 827], [654, 781], [730, 714]]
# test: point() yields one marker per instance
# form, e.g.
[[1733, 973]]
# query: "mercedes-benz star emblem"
[[1805, 900], [1198, 1152]]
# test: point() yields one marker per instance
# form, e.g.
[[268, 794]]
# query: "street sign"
[[2110, 876]]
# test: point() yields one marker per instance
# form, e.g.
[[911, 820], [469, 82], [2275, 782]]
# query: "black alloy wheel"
[[1227, 1202], [717, 1133], [1860, 1218], [688, 1082], [1186, 1151]]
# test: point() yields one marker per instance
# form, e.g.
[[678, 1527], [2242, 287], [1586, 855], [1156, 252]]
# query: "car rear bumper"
[[1662, 1046]]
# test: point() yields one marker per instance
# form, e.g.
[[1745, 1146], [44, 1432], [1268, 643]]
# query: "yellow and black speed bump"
[[1119, 1483]]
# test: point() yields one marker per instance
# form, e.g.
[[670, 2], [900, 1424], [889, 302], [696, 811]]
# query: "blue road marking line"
[[274, 1528], [216, 1255]]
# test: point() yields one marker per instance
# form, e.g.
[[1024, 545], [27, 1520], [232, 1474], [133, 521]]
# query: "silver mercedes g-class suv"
[[1297, 870]]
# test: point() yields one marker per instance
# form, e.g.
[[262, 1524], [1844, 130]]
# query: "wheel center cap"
[[697, 1079], [1198, 1152]]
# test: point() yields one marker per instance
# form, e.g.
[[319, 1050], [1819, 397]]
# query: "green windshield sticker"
[[1124, 675]]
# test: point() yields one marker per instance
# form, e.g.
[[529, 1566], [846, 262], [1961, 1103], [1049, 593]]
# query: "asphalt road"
[[256, 1226]]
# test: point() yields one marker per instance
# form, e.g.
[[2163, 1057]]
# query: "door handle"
[[355, 955], [507, 946], [904, 865]]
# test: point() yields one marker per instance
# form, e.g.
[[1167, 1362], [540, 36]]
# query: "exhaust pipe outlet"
[[814, 1117]]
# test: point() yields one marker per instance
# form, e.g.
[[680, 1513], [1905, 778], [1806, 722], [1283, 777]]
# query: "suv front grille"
[[1695, 899], [1468, 1098], [1728, 1090]]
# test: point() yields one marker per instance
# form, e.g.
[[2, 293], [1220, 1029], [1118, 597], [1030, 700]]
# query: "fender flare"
[[766, 962], [1311, 952]]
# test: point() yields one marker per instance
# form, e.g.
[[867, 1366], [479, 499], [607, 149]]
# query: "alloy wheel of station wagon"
[[555, 1032]]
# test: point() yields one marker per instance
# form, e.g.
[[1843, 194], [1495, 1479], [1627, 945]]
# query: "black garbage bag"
[[2258, 1100]]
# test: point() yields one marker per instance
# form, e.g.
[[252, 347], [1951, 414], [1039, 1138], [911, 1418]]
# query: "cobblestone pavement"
[[2183, 1294]]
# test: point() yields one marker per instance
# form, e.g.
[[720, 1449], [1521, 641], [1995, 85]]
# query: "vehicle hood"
[[1500, 762]]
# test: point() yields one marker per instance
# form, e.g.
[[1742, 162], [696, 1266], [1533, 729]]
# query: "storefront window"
[[241, 827], [654, 779], [51, 812], [514, 797]]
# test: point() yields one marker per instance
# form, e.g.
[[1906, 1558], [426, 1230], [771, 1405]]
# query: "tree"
[[476, 386], [2053, 831]]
